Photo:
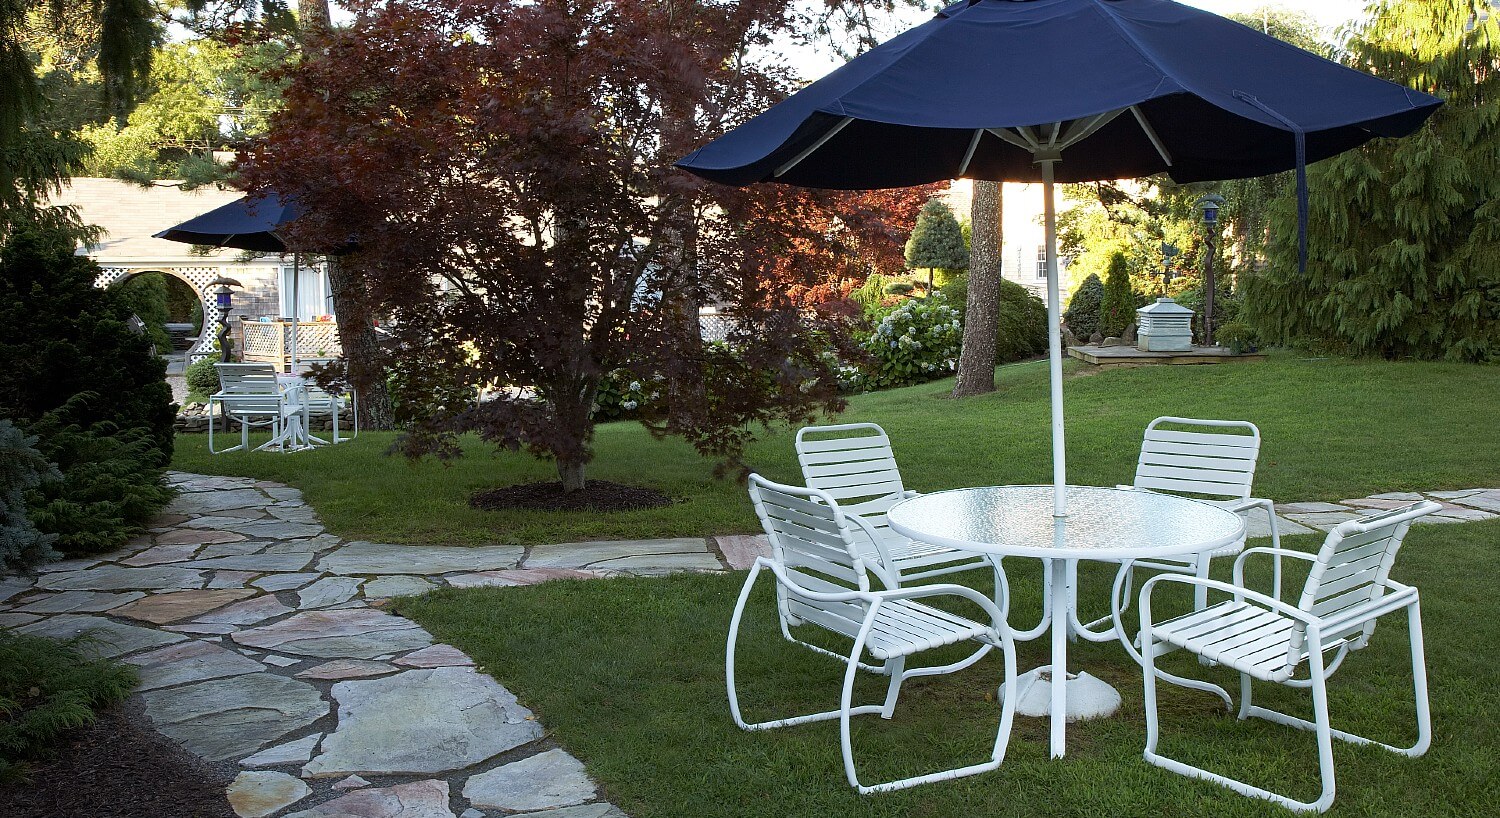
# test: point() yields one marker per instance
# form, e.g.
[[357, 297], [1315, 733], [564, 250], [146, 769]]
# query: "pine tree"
[[1082, 315], [937, 241], [1117, 309], [1404, 235]]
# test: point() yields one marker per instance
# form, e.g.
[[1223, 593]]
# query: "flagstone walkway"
[[261, 641]]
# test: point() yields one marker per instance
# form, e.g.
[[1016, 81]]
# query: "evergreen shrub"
[[201, 377], [1082, 315], [1117, 308], [22, 468], [1023, 318]]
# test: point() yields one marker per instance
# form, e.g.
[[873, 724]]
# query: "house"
[[129, 214]]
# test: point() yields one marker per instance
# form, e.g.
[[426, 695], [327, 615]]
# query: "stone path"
[[261, 643]]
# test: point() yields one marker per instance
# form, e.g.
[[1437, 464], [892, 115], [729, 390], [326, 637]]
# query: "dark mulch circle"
[[596, 495], [118, 767]]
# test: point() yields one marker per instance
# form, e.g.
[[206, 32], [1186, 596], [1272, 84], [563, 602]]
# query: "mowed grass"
[[628, 674], [1332, 429]]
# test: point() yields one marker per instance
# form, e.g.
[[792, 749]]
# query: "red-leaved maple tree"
[[503, 169]]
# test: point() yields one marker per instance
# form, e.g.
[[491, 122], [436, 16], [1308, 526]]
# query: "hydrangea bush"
[[917, 340], [622, 396]]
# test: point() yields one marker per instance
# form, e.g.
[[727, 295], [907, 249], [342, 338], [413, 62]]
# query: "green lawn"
[[628, 674], [1332, 428]]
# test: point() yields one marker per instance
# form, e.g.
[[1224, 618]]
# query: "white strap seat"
[[903, 627], [1238, 635]]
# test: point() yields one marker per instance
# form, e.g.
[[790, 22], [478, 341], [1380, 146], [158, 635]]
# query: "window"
[[313, 297], [1041, 262]]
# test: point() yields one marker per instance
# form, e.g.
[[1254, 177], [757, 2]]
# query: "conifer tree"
[[1404, 234], [937, 241], [1118, 307]]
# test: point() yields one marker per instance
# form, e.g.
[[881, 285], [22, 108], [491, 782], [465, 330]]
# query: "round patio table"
[[1109, 524]]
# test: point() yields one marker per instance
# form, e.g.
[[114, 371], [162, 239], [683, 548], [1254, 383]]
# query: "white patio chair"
[[855, 464], [821, 576], [1217, 467], [1263, 638], [319, 402], [251, 394]]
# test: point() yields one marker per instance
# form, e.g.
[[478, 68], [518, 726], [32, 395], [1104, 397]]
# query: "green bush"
[[871, 295], [1082, 315], [1117, 309], [622, 396], [1227, 308], [1238, 336], [1023, 318], [22, 468], [145, 296], [46, 689], [201, 376], [86, 385], [900, 288], [915, 341]]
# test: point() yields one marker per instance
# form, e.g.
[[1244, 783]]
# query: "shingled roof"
[[130, 214]]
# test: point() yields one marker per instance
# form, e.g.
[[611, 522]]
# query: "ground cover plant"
[[628, 674], [1332, 429]]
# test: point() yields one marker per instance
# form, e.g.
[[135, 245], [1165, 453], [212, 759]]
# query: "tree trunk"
[[313, 17], [570, 472], [976, 362], [361, 345]]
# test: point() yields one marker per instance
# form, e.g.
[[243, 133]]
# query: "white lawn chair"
[[821, 576], [319, 402], [251, 394], [1217, 467], [854, 463], [1261, 637]]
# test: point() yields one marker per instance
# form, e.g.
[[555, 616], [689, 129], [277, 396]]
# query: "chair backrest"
[[248, 379], [1218, 463], [1352, 567], [809, 537], [854, 464]]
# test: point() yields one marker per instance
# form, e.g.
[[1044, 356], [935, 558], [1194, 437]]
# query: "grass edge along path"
[[1332, 429], [628, 675]]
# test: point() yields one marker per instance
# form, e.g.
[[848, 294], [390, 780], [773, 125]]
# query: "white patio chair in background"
[[319, 402], [252, 395], [855, 464], [1263, 638], [821, 577]]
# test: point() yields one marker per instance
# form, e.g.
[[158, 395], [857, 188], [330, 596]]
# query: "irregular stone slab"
[[280, 530], [1455, 495], [419, 799], [192, 661], [1377, 503], [258, 562], [106, 638], [295, 514], [223, 522], [66, 565], [248, 612], [116, 578], [378, 558], [164, 609], [1488, 501], [14, 619], [1406, 496], [284, 492], [230, 579], [262, 793], [602, 810], [586, 554], [1308, 508], [1325, 521], [347, 669], [80, 602], [661, 563], [543, 781], [166, 520], [207, 501], [1465, 514], [422, 721], [353, 782], [436, 656], [196, 536], [516, 576], [311, 545], [1256, 526], [393, 586], [10, 586], [741, 550], [234, 717], [328, 591], [359, 633], [293, 752], [285, 582], [203, 629], [232, 549], [280, 661]]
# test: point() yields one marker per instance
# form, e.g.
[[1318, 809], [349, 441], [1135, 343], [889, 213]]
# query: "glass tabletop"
[[1102, 523]]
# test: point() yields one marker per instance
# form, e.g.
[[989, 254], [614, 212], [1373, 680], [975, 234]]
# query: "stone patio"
[[261, 640]]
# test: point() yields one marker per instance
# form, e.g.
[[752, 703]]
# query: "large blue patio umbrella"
[[1070, 91], [247, 223]]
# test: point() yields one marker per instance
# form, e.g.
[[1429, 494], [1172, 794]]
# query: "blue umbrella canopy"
[[247, 223], [1117, 88]]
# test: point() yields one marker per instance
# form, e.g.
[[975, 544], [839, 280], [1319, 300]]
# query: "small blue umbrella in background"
[[1065, 91], [248, 223]]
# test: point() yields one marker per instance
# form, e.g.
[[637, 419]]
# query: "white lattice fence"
[[196, 277], [271, 341]]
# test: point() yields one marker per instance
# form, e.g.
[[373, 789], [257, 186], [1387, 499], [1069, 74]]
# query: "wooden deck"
[[1129, 355]]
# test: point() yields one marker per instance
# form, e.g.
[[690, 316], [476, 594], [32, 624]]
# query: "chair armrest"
[[1253, 502], [1239, 562], [1239, 592], [795, 589], [947, 589], [875, 540]]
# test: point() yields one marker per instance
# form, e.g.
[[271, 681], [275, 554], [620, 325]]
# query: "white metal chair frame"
[[855, 464], [1348, 589], [812, 551], [1206, 464], [251, 394], [319, 401]]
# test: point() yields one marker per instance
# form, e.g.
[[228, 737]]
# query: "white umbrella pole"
[[1054, 343], [296, 305]]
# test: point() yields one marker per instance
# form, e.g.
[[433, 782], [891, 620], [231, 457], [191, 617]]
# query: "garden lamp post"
[[224, 300], [1209, 204]]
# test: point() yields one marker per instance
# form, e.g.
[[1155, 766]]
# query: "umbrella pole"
[[1054, 341], [296, 303]]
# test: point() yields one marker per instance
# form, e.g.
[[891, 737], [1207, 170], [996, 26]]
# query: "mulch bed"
[[596, 495], [118, 767]]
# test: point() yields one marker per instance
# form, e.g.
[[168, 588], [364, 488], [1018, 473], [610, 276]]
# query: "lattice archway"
[[196, 277]]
